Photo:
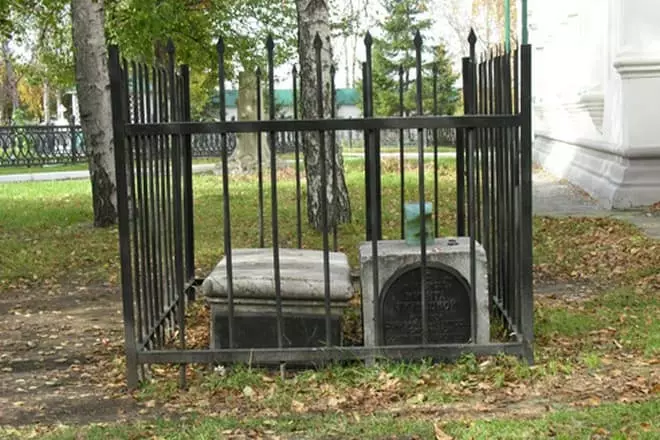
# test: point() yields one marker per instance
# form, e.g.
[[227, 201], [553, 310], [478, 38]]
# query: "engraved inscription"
[[447, 307]]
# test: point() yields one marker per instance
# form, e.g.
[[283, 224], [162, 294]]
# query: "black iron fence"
[[154, 150], [36, 145]]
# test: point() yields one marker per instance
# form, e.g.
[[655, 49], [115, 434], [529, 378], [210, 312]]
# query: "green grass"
[[629, 316], [46, 230], [612, 421]]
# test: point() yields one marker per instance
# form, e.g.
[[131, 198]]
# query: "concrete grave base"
[[302, 293], [396, 254]]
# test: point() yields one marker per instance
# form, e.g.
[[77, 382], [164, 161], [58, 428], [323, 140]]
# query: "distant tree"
[[395, 50]]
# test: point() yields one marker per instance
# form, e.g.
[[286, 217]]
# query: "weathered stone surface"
[[395, 254], [301, 275], [254, 301]]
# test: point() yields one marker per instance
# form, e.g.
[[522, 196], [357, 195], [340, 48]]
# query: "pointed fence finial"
[[368, 40], [401, 70], [170, 45], [436, 67], [294, 70], [333, 69], [270, 44], [257, 72], [418, 39], [318, 43], [472, 37], [220, 46]]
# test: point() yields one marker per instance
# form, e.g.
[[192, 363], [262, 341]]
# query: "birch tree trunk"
[[8, 86], [313, 18], [93, 87]]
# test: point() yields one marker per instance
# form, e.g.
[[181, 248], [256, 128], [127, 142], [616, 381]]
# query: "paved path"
[[72, 175], [554, 197]]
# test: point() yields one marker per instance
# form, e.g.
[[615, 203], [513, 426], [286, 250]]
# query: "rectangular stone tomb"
[[394, 315], [302, 292]]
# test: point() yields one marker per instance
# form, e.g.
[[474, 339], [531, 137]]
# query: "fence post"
[[527, 300], [118, 126]]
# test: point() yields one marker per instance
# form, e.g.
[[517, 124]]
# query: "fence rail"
[[153, 154]]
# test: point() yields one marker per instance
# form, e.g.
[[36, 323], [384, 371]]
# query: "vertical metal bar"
[[260, 171], [318, 45], [527, 299], [493, 146], [371, 159], [133, 210], [435, 151], [296, 140], [472, 183], [146, 212], [188, 178], [467, 71], [484, 145], [333, 154], [123, 214], [367, 156], [225, 195], [156, 267], [516, 167], [177, 205], [402, 161], [422, 195], [139, 213], [273, 193], [510, 188], [169, 214]]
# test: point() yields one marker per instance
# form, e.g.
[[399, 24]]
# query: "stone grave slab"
[[395, 312], [302, 292]]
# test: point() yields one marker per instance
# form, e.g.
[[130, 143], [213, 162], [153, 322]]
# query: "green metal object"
[[525, 35], [413, 222], [507, 25]]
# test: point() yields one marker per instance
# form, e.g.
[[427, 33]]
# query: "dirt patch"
[[57, 347]]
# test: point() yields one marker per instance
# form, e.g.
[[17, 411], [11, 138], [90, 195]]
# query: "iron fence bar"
[[169, 180], [435, 151], [318, 46], [297, 156], [188, 178], [402, 162], [123, 214], [260, 172], [510, 188], [178, 208], [486, 151], [367, 156], [366, 123], [333, 154], [499, 181], [469, 71], [139, 213], [146, 212], [492, 144], [444, 352], [225, 195], [421, 185], [516, 103], [133, 214], [168, 311], [508, 318], [527, 299], [273, 193], [155, 267]]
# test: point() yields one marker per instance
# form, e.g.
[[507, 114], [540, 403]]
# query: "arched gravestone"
[[447, 304]]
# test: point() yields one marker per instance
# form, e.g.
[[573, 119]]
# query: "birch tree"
[[93, 87], [313, 20]]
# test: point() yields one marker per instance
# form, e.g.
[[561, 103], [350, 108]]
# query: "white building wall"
[[597, 87]]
